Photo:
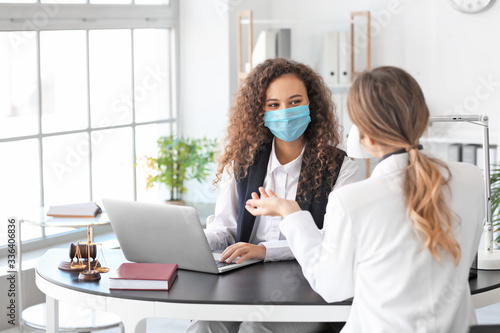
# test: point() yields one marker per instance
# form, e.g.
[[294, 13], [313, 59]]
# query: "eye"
[[296, 102], [272, 105]]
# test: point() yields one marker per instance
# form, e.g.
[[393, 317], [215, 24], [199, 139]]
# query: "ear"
[[367, 140]]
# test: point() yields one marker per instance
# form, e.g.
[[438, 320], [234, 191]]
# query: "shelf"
[[245, 17], [247, 21], [451, 140], [340, 88], [462, 137], [457, 132]]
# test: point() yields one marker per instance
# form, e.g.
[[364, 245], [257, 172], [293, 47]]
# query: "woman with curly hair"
[[283, 135]]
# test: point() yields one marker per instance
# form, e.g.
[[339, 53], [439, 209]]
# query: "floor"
[[154, 325], [489, 314], [486, 315]]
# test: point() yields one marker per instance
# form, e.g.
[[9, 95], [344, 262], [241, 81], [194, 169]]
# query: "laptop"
[[161, 233]]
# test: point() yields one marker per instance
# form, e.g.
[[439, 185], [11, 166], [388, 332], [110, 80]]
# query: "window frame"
[[29, 19]]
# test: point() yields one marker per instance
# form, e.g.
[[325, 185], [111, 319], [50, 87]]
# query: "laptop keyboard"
[[223, 264]]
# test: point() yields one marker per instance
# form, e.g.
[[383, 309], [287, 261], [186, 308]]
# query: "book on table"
[[143, 276], [88, 209]]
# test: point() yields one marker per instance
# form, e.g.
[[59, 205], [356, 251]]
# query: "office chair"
[[485, 329]]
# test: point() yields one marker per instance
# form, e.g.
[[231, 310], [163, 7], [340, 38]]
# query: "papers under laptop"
[[160, 233]]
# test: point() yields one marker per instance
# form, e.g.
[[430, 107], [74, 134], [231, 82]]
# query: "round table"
[[272, 291]]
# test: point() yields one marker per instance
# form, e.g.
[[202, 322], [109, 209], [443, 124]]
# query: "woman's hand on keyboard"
[[243, 251]]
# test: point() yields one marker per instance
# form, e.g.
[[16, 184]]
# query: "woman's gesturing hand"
[[270, 205]]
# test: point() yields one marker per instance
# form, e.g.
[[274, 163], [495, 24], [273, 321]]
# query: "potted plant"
[[180, 159], [495, 200]]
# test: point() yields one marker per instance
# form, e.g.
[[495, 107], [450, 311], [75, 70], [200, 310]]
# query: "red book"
[[143, 276]]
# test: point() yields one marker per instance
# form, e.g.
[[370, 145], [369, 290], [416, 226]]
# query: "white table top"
[[39, 218]]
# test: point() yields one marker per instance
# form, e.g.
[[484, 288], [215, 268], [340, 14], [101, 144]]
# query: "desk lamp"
[[488, 258]]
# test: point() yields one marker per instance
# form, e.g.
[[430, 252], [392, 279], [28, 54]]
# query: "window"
[[86, 88]]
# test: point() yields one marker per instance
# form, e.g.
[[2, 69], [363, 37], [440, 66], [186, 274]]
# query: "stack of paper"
[[89, 209]]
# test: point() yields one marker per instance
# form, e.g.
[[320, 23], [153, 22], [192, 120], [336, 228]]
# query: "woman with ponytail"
[[402, 241]]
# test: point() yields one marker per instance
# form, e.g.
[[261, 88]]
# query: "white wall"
[[204, 72], [207, 66], [451, 54], [204, 78]]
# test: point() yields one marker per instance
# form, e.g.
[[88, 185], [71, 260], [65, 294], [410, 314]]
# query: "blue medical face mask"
[[288, 124]]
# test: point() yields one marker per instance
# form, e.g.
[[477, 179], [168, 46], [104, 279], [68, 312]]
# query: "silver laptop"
[[161, 233]]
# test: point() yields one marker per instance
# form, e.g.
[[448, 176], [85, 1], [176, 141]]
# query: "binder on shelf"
[[455, 152], [328, 63], [469, 153], [344, 58], [284, 43], [265, 48], [480, 157]]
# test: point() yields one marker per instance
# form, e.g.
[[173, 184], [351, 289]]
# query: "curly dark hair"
[[246, 133]]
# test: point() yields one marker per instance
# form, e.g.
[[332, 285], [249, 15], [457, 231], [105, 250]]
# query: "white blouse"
[[283, 180], [369, 249]]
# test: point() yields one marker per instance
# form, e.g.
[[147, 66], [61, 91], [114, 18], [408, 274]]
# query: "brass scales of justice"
[[86, 257]]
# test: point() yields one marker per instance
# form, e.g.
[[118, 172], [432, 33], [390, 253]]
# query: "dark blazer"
[[315, 203]]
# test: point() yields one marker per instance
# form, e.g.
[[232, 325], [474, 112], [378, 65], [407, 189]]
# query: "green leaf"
[[180, 159], [495, 189]]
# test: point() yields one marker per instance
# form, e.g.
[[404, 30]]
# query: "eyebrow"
[[291, 97]]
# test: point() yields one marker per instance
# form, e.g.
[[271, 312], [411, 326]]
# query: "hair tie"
[[415, 146]]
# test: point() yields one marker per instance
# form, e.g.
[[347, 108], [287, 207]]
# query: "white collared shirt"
[[283, 180]]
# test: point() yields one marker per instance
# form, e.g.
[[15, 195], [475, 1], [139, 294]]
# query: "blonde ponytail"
[[424, 190], [388, 105]]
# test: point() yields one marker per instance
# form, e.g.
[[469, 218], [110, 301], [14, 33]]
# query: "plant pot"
[[175, 202]]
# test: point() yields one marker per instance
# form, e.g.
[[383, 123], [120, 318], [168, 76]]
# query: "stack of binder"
[[470, 153], [334, 60]]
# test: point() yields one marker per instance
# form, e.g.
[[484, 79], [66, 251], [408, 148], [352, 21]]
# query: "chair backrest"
[[484, 329]]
